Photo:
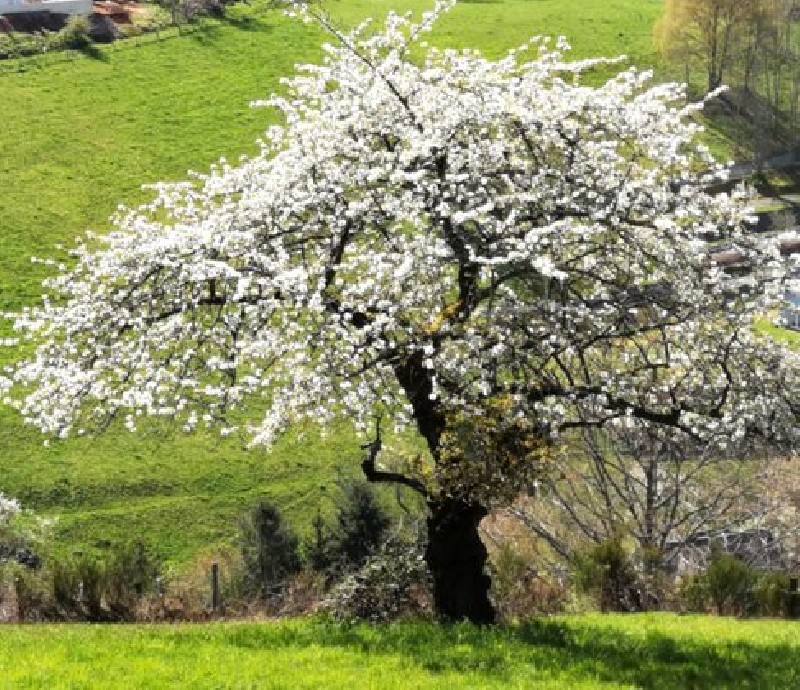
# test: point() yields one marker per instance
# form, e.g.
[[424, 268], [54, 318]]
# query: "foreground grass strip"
[[649, 651]]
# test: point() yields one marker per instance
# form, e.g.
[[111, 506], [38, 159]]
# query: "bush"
[[731, 587], [731, 584], [87, 588], [131, 573], [75, 34], [393, 583], [25, 593], [771, 592], [693, 593], [607, 571], [16, 45], [303, 594], [318, 548], [361, 526], [519, 592], [76, 589], [269, 552], [185, 595]]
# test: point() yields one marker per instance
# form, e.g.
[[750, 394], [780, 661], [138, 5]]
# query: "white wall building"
[[55, 6], [790, 314]]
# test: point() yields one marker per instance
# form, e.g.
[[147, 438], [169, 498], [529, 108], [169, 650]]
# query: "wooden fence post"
[[215, 595], [793, 599]]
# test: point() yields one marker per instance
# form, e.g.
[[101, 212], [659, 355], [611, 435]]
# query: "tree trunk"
[[456, 557], [455, 554]]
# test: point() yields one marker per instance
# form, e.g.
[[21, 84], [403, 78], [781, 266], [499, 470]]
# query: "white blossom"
[[9, 509]]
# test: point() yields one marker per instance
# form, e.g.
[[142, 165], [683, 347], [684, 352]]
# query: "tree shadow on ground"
[[555, 649], [93, 52], [246, 22], [660, 661], [210, 31]]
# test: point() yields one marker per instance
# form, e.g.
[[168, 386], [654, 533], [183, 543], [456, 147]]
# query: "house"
[[790, 314], [759, 548], [65, 7], [29, 16]]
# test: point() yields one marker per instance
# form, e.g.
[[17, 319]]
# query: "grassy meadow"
[[656, 651], [81, 134]]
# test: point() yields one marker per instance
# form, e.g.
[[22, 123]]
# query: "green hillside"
[[80, 135]]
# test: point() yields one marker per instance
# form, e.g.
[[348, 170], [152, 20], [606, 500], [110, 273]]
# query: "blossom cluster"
[[9, 509]]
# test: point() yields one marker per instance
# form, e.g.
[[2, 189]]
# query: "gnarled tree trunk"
[[456, 558], [455, 554]]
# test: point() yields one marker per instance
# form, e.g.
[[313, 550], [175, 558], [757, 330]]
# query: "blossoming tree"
[[471, 246]]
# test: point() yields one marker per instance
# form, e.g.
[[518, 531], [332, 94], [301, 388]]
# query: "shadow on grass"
[[208, 31], [93, 51], [204, 32], [555, 649], [660, 661], [247, 22]]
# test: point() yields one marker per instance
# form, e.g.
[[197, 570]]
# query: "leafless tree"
[[652, 486]]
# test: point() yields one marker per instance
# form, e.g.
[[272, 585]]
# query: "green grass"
[[644, 651], [81, 134], [765, 326], [180, 493]]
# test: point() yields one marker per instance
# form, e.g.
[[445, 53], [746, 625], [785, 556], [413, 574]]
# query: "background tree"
[[428, 239], [656, 489], [269, 551], [708, 32], [361, 525], [318, 546], [748, 46]]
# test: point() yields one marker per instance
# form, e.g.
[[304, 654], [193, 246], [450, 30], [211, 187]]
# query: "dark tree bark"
[[455, 554], [456, 557]]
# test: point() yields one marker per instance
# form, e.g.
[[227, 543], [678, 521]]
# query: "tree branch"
[[373, 474]]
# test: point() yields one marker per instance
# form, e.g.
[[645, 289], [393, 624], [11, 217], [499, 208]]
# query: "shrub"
[[269, 552], [186, 594], [16, 45], [303, 593], [131, 573], [518, 591], [318, 550], [693, 593], [75, 34], [731, 584], [30, 593], [608, 572], [771, 592], [23, 539], [361, 526], [87, 587], [393, 583]]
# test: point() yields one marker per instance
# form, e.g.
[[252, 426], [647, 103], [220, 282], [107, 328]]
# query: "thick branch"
[[373, 474]]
